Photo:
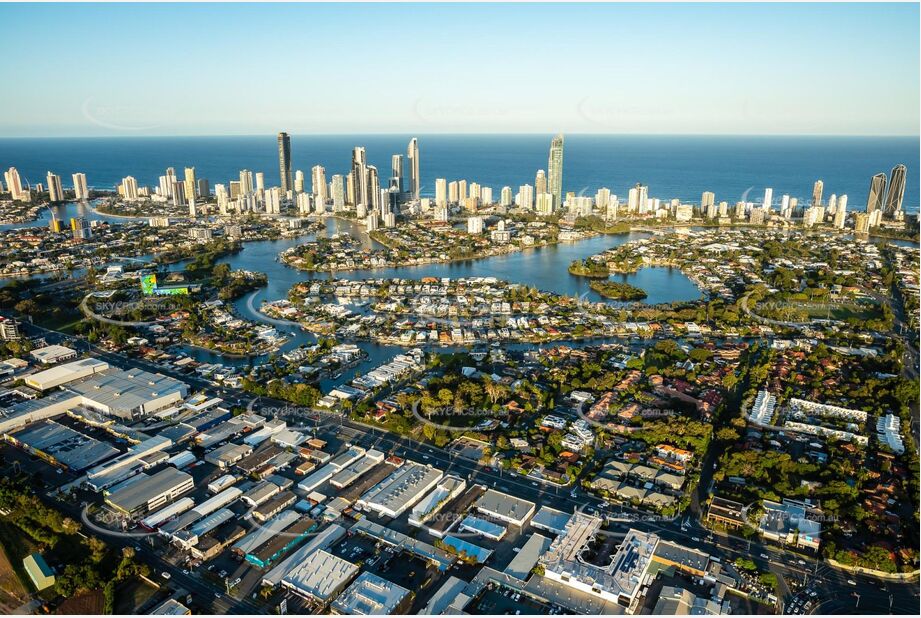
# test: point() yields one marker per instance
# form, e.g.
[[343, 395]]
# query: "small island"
[[618, 290], [589, 268]]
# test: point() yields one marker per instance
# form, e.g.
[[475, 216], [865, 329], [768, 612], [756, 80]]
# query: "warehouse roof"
[[138, 494], [321, 575]]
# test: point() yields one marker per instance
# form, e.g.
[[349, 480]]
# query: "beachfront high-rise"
[[817, 189], [284, 162], [318, 183], [877, 191], [896, 190], [81, 191], [359, 177], [415, 181], [555, 171], [55, 191], [396, 172]]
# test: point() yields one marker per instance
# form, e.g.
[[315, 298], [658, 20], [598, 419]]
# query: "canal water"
[[543, 267]]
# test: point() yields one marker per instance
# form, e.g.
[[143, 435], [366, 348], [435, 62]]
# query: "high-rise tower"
[[284, 162], [896, 190], [555, 171], [877, 191], [415, 181]]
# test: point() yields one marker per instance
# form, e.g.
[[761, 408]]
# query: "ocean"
[[672, 166]]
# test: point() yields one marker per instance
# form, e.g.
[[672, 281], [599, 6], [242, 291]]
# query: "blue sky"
[[170, 69]]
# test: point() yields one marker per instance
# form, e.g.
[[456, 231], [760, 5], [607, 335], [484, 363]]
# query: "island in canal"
[[618, 290]]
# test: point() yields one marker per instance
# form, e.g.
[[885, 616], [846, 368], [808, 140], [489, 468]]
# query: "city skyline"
[[672, 87]]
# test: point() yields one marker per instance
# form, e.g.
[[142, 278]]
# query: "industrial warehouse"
[[329, 520]]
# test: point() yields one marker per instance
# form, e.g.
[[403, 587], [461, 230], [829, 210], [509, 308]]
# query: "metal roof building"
[[151, 493], [64, 445], [402, 489], [321, 576], [63, 374], [505, 507], [371, 595], [38, 570]]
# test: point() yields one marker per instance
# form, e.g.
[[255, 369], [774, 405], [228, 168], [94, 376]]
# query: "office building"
[[555, 171], [284, 163], [877, 192]]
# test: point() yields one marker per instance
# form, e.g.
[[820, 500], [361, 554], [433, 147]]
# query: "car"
[[852, 582], [801, 562], [765, 556], [165, 575], [696, 539], [534, 483], [217, 595], [185, 571]]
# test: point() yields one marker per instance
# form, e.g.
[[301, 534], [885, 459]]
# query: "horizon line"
[[471, 134]]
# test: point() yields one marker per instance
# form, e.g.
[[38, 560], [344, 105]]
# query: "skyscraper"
[[284, 162], [13, 183], [338, 193], [768, 198], [360, 176], [896, 190], [81, 191], [817, 193], [540, 182], [441, 192], [841, 213], [415, 180], [246, 182], [191, 188], [396, 171], [373, 188], [318, 183], [526, 197], [707, 199], [877, 191], [55, 192], [555, 171], [298, 181]]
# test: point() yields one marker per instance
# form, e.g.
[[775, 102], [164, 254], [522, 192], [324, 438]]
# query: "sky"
[[213, 69]]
